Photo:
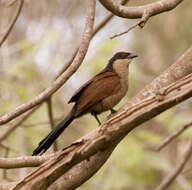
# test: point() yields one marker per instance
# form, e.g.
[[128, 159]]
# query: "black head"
[[118, 56]]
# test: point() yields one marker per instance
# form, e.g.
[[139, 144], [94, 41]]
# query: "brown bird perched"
[[99, 94]]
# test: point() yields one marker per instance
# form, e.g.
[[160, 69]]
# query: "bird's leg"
[[113, 111], [95, 115]]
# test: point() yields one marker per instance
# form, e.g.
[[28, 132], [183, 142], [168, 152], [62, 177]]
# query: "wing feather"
[[78, 93], [102, 86]]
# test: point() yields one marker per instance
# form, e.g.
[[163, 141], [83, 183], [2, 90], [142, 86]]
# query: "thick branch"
[[104, 139], [65, 164], [178, 70], [144, 12], [139, 11]]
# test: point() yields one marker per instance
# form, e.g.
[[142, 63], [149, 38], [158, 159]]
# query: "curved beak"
[[132, 55]]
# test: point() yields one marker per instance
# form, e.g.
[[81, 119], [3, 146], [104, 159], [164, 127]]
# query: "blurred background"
[[43, 41]]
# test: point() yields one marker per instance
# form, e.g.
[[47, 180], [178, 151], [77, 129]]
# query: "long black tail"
[[54, 134]]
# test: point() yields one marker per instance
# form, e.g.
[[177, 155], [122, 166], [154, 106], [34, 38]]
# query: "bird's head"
[[121, 58]]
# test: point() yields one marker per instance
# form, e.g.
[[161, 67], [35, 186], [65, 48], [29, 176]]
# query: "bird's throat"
[[121, 67]]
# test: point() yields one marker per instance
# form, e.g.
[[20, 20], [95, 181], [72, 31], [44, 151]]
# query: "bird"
[[98, 95]]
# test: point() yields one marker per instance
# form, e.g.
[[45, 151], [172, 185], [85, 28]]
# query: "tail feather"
[[53, 135]]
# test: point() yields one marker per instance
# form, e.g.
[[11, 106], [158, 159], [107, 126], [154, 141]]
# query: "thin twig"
[[25, 161], [87, 34], [144, 12], [17, 123], [51, 120], [12, 23], [126, 31], [181, 180], [66, 66], [141, 24], [60, 80], [133, 12], [172, 176], [6, 148], [97, 28], [170, 138]]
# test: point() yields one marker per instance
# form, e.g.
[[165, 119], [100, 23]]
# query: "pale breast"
[[114, 99]]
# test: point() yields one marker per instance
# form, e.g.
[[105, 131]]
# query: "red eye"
[[123, 56]]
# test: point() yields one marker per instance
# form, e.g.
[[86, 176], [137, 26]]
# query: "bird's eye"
[[123, 56]]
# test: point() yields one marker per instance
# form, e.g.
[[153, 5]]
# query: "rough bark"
[[165, 91], [140, 11]]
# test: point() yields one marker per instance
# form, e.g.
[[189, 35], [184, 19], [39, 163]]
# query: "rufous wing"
[[100, 87], [78, 93]]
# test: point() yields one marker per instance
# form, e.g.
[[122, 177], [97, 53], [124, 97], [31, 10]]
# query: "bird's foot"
[[113, 111], [97, 119]]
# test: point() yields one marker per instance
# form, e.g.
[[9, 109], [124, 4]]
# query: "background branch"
[[171, 177], [17, 123], [140, 11], [97, 28], [10, 27], [24, 161], [59, 81], [144, 12], [170, 138]]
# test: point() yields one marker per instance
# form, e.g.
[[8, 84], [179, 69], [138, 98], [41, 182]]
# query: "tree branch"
[[17, 123], [92, 151], [144, 12], [60, 80], [100, 143], [126, 31], [171, 177], [25, 161], [10, 27], [100, 25], [139, 11], [170, 138]]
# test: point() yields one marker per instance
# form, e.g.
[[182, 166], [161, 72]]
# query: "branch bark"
[[170, 138], [60, 80], [17, 123], [20, 120], [78, 162], [10, 27], [139, 11], [26, 161], [144, 12], [172, 176], [98, 27], [164, 92]]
